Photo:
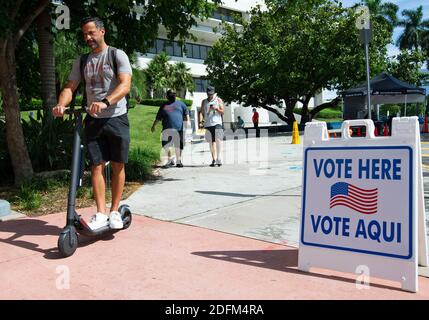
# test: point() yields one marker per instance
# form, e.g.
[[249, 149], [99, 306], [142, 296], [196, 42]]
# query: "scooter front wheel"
[[67, 241]]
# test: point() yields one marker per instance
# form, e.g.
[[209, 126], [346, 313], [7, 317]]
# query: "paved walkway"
[[162, 260], [228, 232]]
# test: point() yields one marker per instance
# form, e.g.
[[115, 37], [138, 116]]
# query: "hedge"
[[36, 104], [158, 102]]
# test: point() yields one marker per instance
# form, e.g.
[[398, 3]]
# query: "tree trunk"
[[276, 112], [20, 158], [47, 61], [305, 114]]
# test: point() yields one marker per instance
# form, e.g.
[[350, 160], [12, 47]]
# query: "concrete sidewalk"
[[250, 195]]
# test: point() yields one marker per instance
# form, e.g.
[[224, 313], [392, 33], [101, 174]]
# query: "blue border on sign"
[[410, 248]]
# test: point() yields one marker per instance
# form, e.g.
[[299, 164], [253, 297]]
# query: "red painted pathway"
[[163, 260]]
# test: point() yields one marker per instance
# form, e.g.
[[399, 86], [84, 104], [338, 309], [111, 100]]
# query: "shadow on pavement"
[[33, 227], [280, 260], [243, 195]]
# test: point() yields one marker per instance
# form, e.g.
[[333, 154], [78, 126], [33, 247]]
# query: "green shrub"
[[85, 192], [158, 102], [140, 163], [28, 198], [329, 113], [132, 103], [36, 104], [49, 142], [392, 108], [48, 184]]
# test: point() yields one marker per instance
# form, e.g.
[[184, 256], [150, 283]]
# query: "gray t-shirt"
[[101, 81]]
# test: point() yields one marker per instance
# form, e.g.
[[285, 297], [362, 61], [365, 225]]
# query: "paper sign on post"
[[360, 201]]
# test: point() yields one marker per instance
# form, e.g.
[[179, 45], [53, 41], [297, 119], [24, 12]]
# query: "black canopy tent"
[[385, 89]]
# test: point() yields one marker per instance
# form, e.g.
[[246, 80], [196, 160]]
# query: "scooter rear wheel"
[[67, 241]]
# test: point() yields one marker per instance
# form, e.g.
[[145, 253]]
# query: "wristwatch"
[[105, 101]]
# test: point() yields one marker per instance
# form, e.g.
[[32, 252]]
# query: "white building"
[[196, 53]]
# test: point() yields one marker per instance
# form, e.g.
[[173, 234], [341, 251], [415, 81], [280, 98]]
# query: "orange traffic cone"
[[335, 134], [425, 125], [386, 130], [359, 132], [376, 131]]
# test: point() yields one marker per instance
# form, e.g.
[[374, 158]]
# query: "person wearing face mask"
[[172, 114]]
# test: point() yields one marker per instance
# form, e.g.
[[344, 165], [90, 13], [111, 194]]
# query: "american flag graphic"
[[361, 200]]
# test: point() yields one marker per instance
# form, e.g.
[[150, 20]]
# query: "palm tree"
[[414, 32], [182, 79], [425, 40], [45, 40], [383, 12], [138, 85], [158, 75]]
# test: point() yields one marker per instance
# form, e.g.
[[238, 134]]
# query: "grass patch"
[[330, 119], [141, 119]]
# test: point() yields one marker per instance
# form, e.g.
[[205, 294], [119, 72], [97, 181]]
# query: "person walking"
[[210, 116], [172, 114], [255, 120], [106, 74], [240, 123]]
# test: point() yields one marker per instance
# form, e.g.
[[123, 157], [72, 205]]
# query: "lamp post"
[[363, 23]]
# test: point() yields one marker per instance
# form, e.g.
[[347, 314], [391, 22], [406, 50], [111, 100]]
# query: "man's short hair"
[[98, 22]]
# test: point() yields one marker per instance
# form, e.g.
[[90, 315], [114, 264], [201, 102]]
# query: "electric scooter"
[[68, 240]]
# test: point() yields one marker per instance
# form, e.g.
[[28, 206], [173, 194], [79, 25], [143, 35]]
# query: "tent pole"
[[368, 79], [405, 111]]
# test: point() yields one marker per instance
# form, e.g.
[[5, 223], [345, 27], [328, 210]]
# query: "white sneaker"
[[97, 221], [115, 220]]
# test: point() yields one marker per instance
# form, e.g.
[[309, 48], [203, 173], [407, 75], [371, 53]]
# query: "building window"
[[172, 48], [197, 51], [201, 84], [226, 14]]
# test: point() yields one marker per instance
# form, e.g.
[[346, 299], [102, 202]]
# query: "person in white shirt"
[[210, 116]]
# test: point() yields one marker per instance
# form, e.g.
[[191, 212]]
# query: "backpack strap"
[[111, 55], [83, 60]]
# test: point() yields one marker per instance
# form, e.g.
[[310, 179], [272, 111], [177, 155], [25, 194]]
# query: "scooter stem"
[[75, 172]]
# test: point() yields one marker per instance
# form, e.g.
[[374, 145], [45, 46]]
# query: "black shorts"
[[172, 138], [214, 132], [107, 139]]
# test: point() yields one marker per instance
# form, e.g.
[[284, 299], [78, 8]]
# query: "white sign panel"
[[361, 202]]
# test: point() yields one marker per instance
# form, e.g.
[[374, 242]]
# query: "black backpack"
[[111, 57]]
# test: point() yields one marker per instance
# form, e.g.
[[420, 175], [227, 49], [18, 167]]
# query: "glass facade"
[[225, 14], [197, 51], [172, 48], [201, 84]]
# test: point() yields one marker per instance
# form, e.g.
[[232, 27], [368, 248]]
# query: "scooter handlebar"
[[75, 111]]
